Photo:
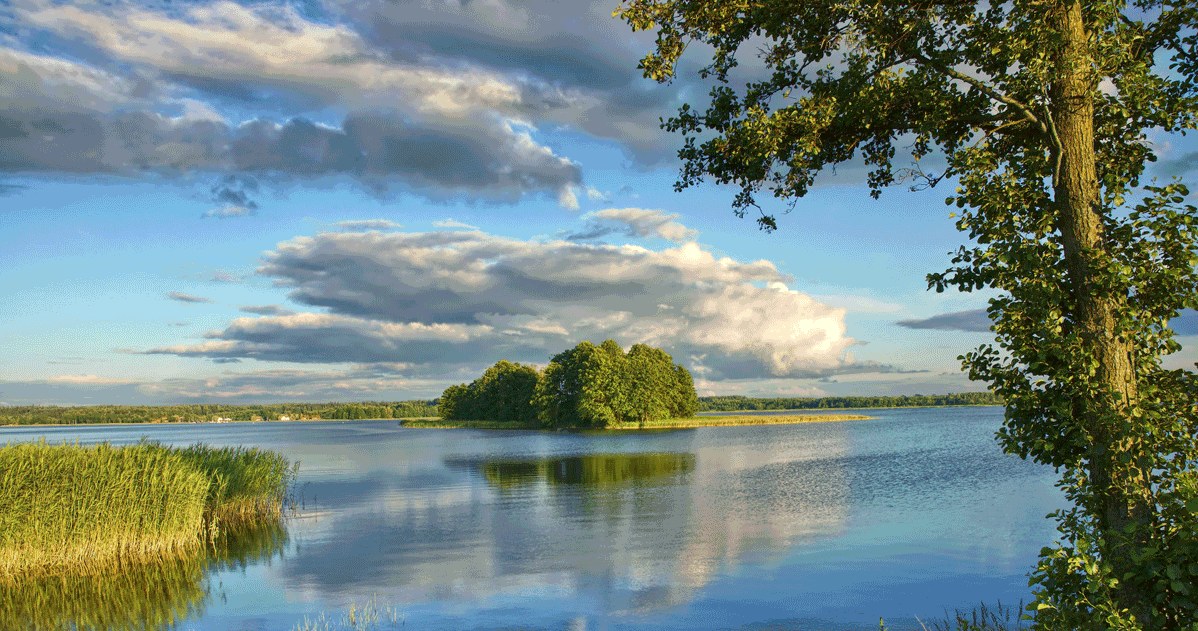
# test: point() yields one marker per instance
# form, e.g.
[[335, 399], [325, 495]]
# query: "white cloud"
[[443, 299], [226, 42], [635, 222], [441, 131]]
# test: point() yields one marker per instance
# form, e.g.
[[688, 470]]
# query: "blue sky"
[[372, 200]]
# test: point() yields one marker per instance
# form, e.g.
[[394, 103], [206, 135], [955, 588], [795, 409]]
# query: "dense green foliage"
[[739, 403], [86, 508], [503, 393], [199, 413], [1042, 111], [600, 386], [586, 386]]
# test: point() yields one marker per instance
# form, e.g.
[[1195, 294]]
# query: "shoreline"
[[726, 420], [805, 415], [294, 420], [881, 407]]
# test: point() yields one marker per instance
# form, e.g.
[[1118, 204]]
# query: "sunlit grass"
[[87, 509], [247, 485]]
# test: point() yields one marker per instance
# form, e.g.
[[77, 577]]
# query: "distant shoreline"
[[262, 422], [717, 420], [733, 418], [836, 410]]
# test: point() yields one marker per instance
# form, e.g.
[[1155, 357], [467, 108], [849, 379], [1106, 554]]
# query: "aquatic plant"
[[247, 484], [365, 617], [86, 509]]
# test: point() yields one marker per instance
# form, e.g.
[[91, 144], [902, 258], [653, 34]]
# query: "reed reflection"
[[151, 596]]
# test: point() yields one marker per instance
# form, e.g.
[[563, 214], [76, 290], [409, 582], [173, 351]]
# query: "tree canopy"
[[598, 386], [502, 393], [585, 386], [1039, 112]]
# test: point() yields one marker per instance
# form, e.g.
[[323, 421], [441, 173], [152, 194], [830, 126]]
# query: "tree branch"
[[985, 88]]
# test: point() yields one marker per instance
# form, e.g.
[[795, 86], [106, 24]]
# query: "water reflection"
[[589, 469], [151, 596], [628, 531], [824, 525]]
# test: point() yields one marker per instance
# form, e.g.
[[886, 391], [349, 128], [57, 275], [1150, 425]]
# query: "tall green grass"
[[247, 485], [85, 509]]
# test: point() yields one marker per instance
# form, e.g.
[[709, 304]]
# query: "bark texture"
[[1122, 487]]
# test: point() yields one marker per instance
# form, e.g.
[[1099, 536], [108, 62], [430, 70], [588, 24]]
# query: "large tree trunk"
[[1121, 488]]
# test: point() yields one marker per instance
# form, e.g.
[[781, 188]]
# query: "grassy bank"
[[674, 423], [86, 509]]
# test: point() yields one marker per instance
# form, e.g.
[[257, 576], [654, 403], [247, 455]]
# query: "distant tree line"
[[739, 403], [585, 386], [69, 415]]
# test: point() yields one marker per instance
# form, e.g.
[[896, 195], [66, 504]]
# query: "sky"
[[335, 200]]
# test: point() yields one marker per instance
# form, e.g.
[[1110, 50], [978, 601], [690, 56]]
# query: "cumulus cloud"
[[269, 51], [444, 299], [188, 298], [973, 320], [221, 276], [351, 383], [634, 222], [442, 132], [328, 338]]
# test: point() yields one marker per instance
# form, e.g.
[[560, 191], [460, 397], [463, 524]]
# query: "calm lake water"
[[818, 526]]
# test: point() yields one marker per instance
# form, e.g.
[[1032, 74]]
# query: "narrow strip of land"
[[720, 420]]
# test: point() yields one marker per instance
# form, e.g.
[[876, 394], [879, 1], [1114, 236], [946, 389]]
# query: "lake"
[[815, 526]]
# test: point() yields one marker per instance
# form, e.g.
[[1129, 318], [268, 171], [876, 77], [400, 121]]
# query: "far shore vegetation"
[[213, 413], [721, 420], [425, 410], [746, 404], [75, 509]]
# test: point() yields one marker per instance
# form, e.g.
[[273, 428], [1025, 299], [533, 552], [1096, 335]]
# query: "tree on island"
[[1041, 110], [503, 393], [586, 386], [599, 386]]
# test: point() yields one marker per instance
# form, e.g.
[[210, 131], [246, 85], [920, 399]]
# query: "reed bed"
[[247, 486], [88, 509]]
